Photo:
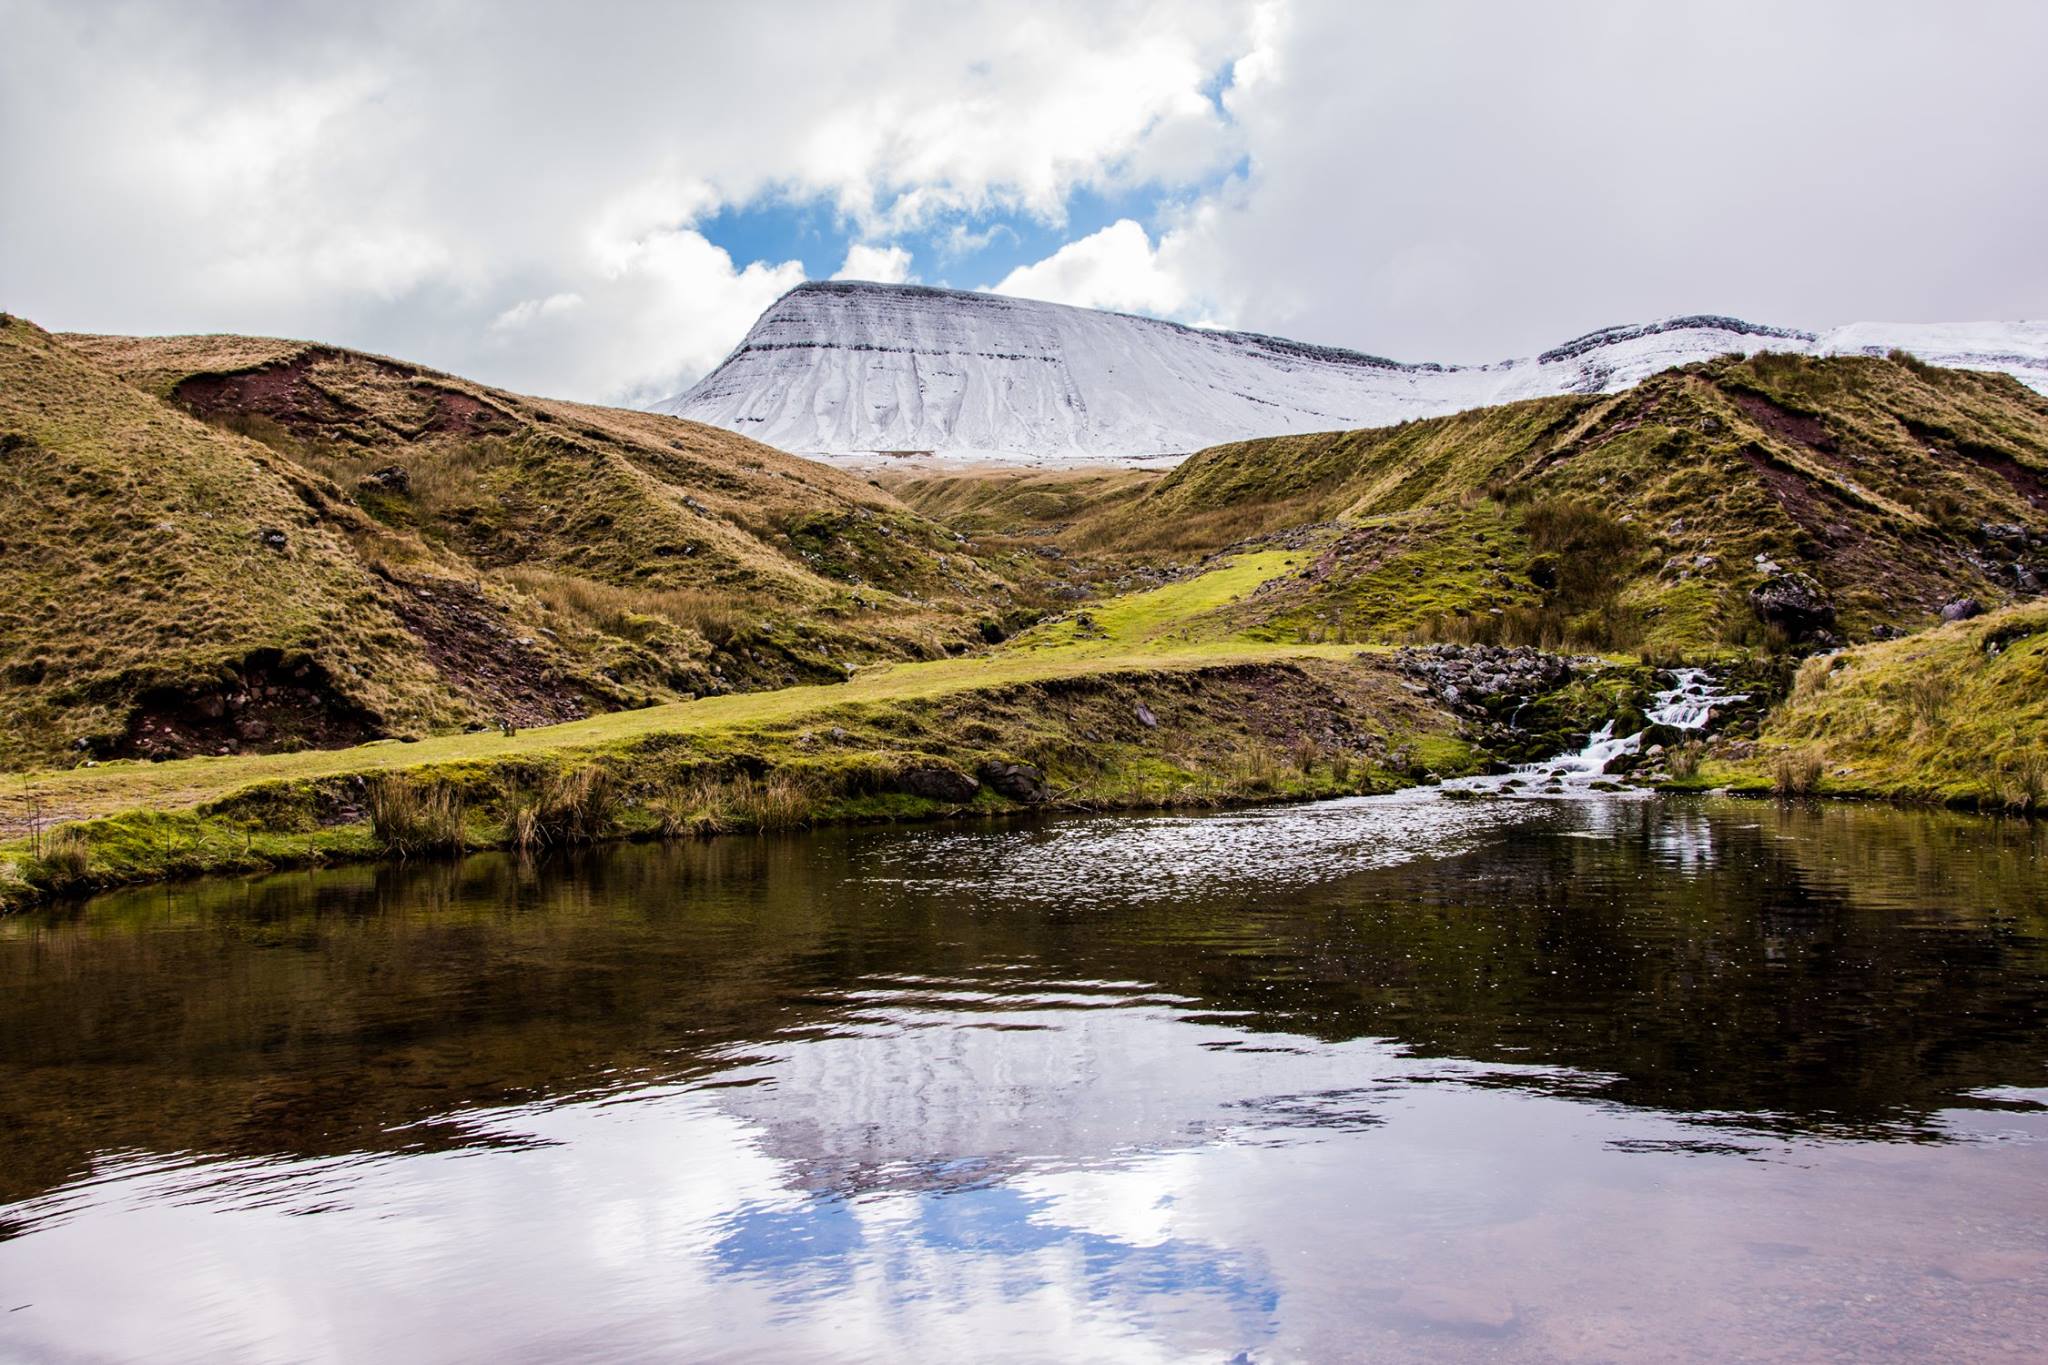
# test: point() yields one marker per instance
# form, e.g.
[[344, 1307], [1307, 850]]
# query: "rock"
[[1018, 781], [1146, 718], [392, 478], [1794, 603], [272, 538], [937, 782], [1962, 609]]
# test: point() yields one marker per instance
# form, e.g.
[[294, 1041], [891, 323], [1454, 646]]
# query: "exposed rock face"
[[937, 782], [1794, 603], [1018, 781]]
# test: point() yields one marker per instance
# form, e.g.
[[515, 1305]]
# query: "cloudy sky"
[[595, 200]]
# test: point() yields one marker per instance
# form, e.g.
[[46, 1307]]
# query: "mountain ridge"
[[853, 371]]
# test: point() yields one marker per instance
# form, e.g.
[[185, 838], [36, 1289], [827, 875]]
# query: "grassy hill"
[[1637, 520], [1956, 715], [154, 565], [229, 544]]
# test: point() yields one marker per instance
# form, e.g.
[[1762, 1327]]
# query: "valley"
[[320, 582]]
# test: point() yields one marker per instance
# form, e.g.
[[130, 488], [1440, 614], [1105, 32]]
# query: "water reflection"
[[1399, 1078]]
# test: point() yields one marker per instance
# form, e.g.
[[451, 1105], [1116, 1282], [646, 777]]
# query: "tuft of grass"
[[576, 806], [1683, 760], [411, 816], [713, 804], [66, 859], [1796, 772], [1928, 696], [2023, 782]]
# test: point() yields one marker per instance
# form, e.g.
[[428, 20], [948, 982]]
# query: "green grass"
[[1956, 716], [1872, 475], [1180, 614], [1222, 718], [254, 810]]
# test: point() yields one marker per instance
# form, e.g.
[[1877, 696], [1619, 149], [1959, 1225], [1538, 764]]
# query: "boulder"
[[1794, 603], [1018, 781], [937, 782], [1962, 609], [391, 478], [1146, 718]]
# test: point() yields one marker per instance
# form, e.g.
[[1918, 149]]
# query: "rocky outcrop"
[[1018, 781], [937, 782], [1962, 609], [1474, 679], [1793, 602]]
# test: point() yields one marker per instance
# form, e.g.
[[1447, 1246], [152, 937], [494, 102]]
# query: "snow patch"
[[858, 371]]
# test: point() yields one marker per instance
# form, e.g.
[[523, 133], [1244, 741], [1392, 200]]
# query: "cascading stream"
[[1689, 706]]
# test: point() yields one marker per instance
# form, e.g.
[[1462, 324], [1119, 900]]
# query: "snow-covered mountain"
[[862, 371]]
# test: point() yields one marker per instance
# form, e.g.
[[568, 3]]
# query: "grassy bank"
[[1078, 728], [1956, 716]]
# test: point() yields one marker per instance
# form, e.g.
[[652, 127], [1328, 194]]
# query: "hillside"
[[1957, 715], [220, 544], [869, 371], [1643, 519]]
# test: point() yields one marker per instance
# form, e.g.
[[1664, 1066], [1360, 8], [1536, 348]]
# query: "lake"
[[1393, 1078]]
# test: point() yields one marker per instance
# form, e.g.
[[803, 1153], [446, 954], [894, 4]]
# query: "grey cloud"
[[1457, 182]]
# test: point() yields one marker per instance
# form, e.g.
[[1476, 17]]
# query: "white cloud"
[[1463, 182], [876, 264], [1115, 268], [1452, 182], [407, 178], [662, 310], [526, 311]]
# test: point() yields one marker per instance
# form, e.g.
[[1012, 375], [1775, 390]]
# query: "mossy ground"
[[1955, 716]]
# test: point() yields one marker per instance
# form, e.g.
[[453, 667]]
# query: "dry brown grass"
[[66, 857], [410, 816], [1928, 696], [579, 806], [711, 803], [720, 618], [1812, 678], [1796, 772], [2023, 782]]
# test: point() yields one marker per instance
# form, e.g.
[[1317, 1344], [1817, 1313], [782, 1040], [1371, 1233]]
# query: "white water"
[[1688, 706]]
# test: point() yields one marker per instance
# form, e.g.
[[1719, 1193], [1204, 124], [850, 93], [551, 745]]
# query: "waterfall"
[[1688, 705]]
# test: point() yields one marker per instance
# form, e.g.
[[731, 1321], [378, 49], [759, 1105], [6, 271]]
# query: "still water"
[[1389, 1079]]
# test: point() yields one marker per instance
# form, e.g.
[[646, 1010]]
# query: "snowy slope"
[[860, 370]]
